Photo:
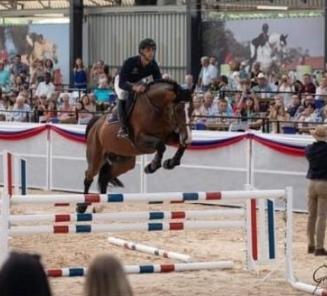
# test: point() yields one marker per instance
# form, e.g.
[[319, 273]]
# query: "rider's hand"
[[140, 88]]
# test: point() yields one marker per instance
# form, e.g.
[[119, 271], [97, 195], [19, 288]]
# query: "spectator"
[[316, 155], [208, 108], [263, 89], [222, 122], [207, 75], [82, 115], [277, 113], [96, 71], [38, 73], [51, 111], [256, 70], [39, 111], [213, 62], [188, 82], [48, 67], [19, 84], [23, 275], [286, 88], [4, 77], [244, 75], [89, 105], [249, 112], [79, 75], [198, 109], [19, 68], [308, 114], [298, 87], [21, 110], [106, 277], [102, 93], [308, 86], [67, 112], [321, 91], [295, 108], [45, 88]]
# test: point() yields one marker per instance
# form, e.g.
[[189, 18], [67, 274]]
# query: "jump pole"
[[147, 268], [148, 249], [126, 216]]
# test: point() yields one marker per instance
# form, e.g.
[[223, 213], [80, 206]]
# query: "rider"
[[264, 36], [135, 72], [261, 40]]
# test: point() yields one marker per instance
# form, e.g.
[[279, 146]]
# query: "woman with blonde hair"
[[106, 277]]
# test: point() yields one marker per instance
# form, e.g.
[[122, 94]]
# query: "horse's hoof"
[[151, 168], [169, 164], [81, 208]]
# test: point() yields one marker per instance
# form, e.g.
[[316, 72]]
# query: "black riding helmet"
[[265, 27], [148, 42]]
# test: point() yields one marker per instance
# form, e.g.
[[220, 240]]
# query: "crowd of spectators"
[[37, 94], [244, 99], [279, 102], [22, 274]]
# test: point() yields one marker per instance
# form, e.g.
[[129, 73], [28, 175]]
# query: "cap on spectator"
[[261, 76], [319, 133]]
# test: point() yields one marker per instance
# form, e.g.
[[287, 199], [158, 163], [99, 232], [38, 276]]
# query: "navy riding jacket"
[[316, 154], [133, 71]]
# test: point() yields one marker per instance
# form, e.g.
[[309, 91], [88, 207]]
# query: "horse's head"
[[278, 42], [161, 88]]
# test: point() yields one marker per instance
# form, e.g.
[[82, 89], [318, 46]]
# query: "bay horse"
[[157, 118]]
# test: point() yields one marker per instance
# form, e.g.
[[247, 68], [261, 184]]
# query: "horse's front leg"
[[159, 146], [170, 163]]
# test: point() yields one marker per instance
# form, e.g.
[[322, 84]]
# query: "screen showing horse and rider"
[[272, 42], [36, 43]]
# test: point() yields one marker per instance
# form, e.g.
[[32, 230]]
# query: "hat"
[[261, 76], [320, 133]]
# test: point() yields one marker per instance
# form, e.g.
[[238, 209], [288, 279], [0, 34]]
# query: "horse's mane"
[[172, 83]]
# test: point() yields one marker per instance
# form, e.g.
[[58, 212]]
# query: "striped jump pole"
[[99, 228], [147, 268], [148, 197], [147, 249], [127, 216]]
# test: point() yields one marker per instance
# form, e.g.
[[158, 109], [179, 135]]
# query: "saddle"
[[129, 106]]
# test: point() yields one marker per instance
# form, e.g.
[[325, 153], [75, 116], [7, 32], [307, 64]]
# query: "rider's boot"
[[123, 131]]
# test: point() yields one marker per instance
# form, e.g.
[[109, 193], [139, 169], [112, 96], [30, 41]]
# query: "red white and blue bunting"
[[290, 145]]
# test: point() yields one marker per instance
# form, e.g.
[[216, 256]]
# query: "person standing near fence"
[[316, 155]]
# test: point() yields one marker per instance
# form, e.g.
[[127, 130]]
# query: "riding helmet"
[[148, 42]]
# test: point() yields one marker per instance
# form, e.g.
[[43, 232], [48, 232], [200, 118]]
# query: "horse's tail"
[[105, 177], [90, 124]]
